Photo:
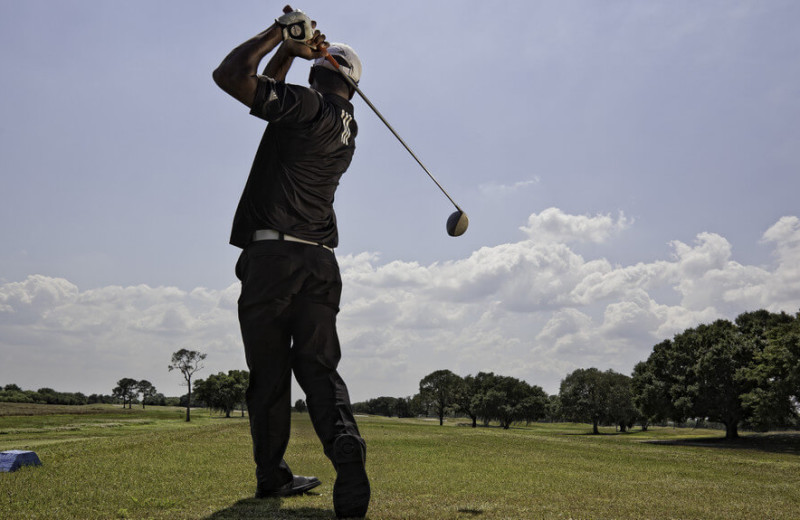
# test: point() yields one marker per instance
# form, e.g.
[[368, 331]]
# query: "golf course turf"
[[106, 462]]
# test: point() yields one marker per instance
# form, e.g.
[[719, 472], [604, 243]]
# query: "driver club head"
[[457, 223]]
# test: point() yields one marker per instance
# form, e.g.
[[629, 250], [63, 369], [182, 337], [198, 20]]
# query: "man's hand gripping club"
[[237, 73]]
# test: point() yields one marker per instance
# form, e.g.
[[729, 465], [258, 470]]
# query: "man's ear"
[[311, 76]]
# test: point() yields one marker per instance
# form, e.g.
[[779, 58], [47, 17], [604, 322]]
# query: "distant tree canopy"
[[394, 406], [732, 373], [504, 399], [126, 390], [738, 373], [589, 395], [12, 393], [441, 388], [484, 396], [147, 390], [223, 391]]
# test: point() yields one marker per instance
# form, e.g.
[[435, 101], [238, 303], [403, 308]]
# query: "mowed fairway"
[[109, 463]]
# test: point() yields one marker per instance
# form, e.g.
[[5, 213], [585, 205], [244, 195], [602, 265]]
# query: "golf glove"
[[296, 26]]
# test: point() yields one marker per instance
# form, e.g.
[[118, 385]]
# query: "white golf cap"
[[347, 58]]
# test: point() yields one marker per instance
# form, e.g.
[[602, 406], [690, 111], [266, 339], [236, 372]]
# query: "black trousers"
[[287, 313]]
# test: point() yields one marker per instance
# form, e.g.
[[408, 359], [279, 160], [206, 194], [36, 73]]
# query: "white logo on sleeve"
[[346, 118]]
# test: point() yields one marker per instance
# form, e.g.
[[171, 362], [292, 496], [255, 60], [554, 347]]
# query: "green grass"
[[150, 464]]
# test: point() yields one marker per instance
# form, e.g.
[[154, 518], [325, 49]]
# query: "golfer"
[[286, 228]]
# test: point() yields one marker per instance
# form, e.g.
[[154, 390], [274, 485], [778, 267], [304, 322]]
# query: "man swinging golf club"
[[286, 228]]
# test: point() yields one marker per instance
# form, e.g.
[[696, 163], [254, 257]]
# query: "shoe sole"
[[294, 491], [351, 490]]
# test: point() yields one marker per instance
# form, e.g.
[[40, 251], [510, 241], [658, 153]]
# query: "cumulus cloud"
[[785, 235], [554, 225], [534, 309], [52, 334]]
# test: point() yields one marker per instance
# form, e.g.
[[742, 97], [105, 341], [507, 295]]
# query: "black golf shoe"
[[351, 490], [297, 486]]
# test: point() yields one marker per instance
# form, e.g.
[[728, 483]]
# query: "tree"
[[419, 405], [776, 371], [722, 372], [188, 362], [384, 405], [584, 396], [465, 398], [300, 406], [656, 383], [231, 393], [404, 407], [533, 406], [552, 410], [205, 393], [241, 381], [221, 391], [509, 400], [648, 399], [488, 404], [718, 379], [100, 398], [158, 399], [14, 394], [147, 390], [126, 390], [485, 405], [621, 410], [441, 387]]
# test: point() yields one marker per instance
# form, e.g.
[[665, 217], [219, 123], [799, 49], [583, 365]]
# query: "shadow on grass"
[[259, 509], [470, 511], [601, 434], [788, 443]]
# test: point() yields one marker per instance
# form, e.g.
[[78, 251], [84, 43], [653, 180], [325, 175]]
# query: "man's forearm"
[[236, 75], [279, 64]]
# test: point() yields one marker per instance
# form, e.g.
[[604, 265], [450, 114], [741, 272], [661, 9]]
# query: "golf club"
[[458, 221]]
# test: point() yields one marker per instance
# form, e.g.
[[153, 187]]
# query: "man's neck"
[[323, 91]]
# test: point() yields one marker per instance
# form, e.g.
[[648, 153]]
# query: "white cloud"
[[785, 235], [54, 335], [553, 225], [493, 188], [533, 309]]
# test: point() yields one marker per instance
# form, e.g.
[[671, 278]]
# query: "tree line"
[[484, 397], [12, 393], [218, 392], [740, 373], [128, 390], [744, 373]]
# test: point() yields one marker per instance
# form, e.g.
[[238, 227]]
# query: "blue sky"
[[630, 169]]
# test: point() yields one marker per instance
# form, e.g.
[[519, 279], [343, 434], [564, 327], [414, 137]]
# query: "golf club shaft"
[[385, 122]]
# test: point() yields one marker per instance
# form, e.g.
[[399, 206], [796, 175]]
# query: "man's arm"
[[236, 75], [278, 66]]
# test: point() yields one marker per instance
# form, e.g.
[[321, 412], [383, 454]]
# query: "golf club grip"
[[330, 58]]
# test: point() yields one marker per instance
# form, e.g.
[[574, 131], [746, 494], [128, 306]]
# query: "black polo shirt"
[[307, 146]]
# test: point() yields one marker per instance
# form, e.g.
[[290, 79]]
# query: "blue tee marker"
[[12, 460]]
